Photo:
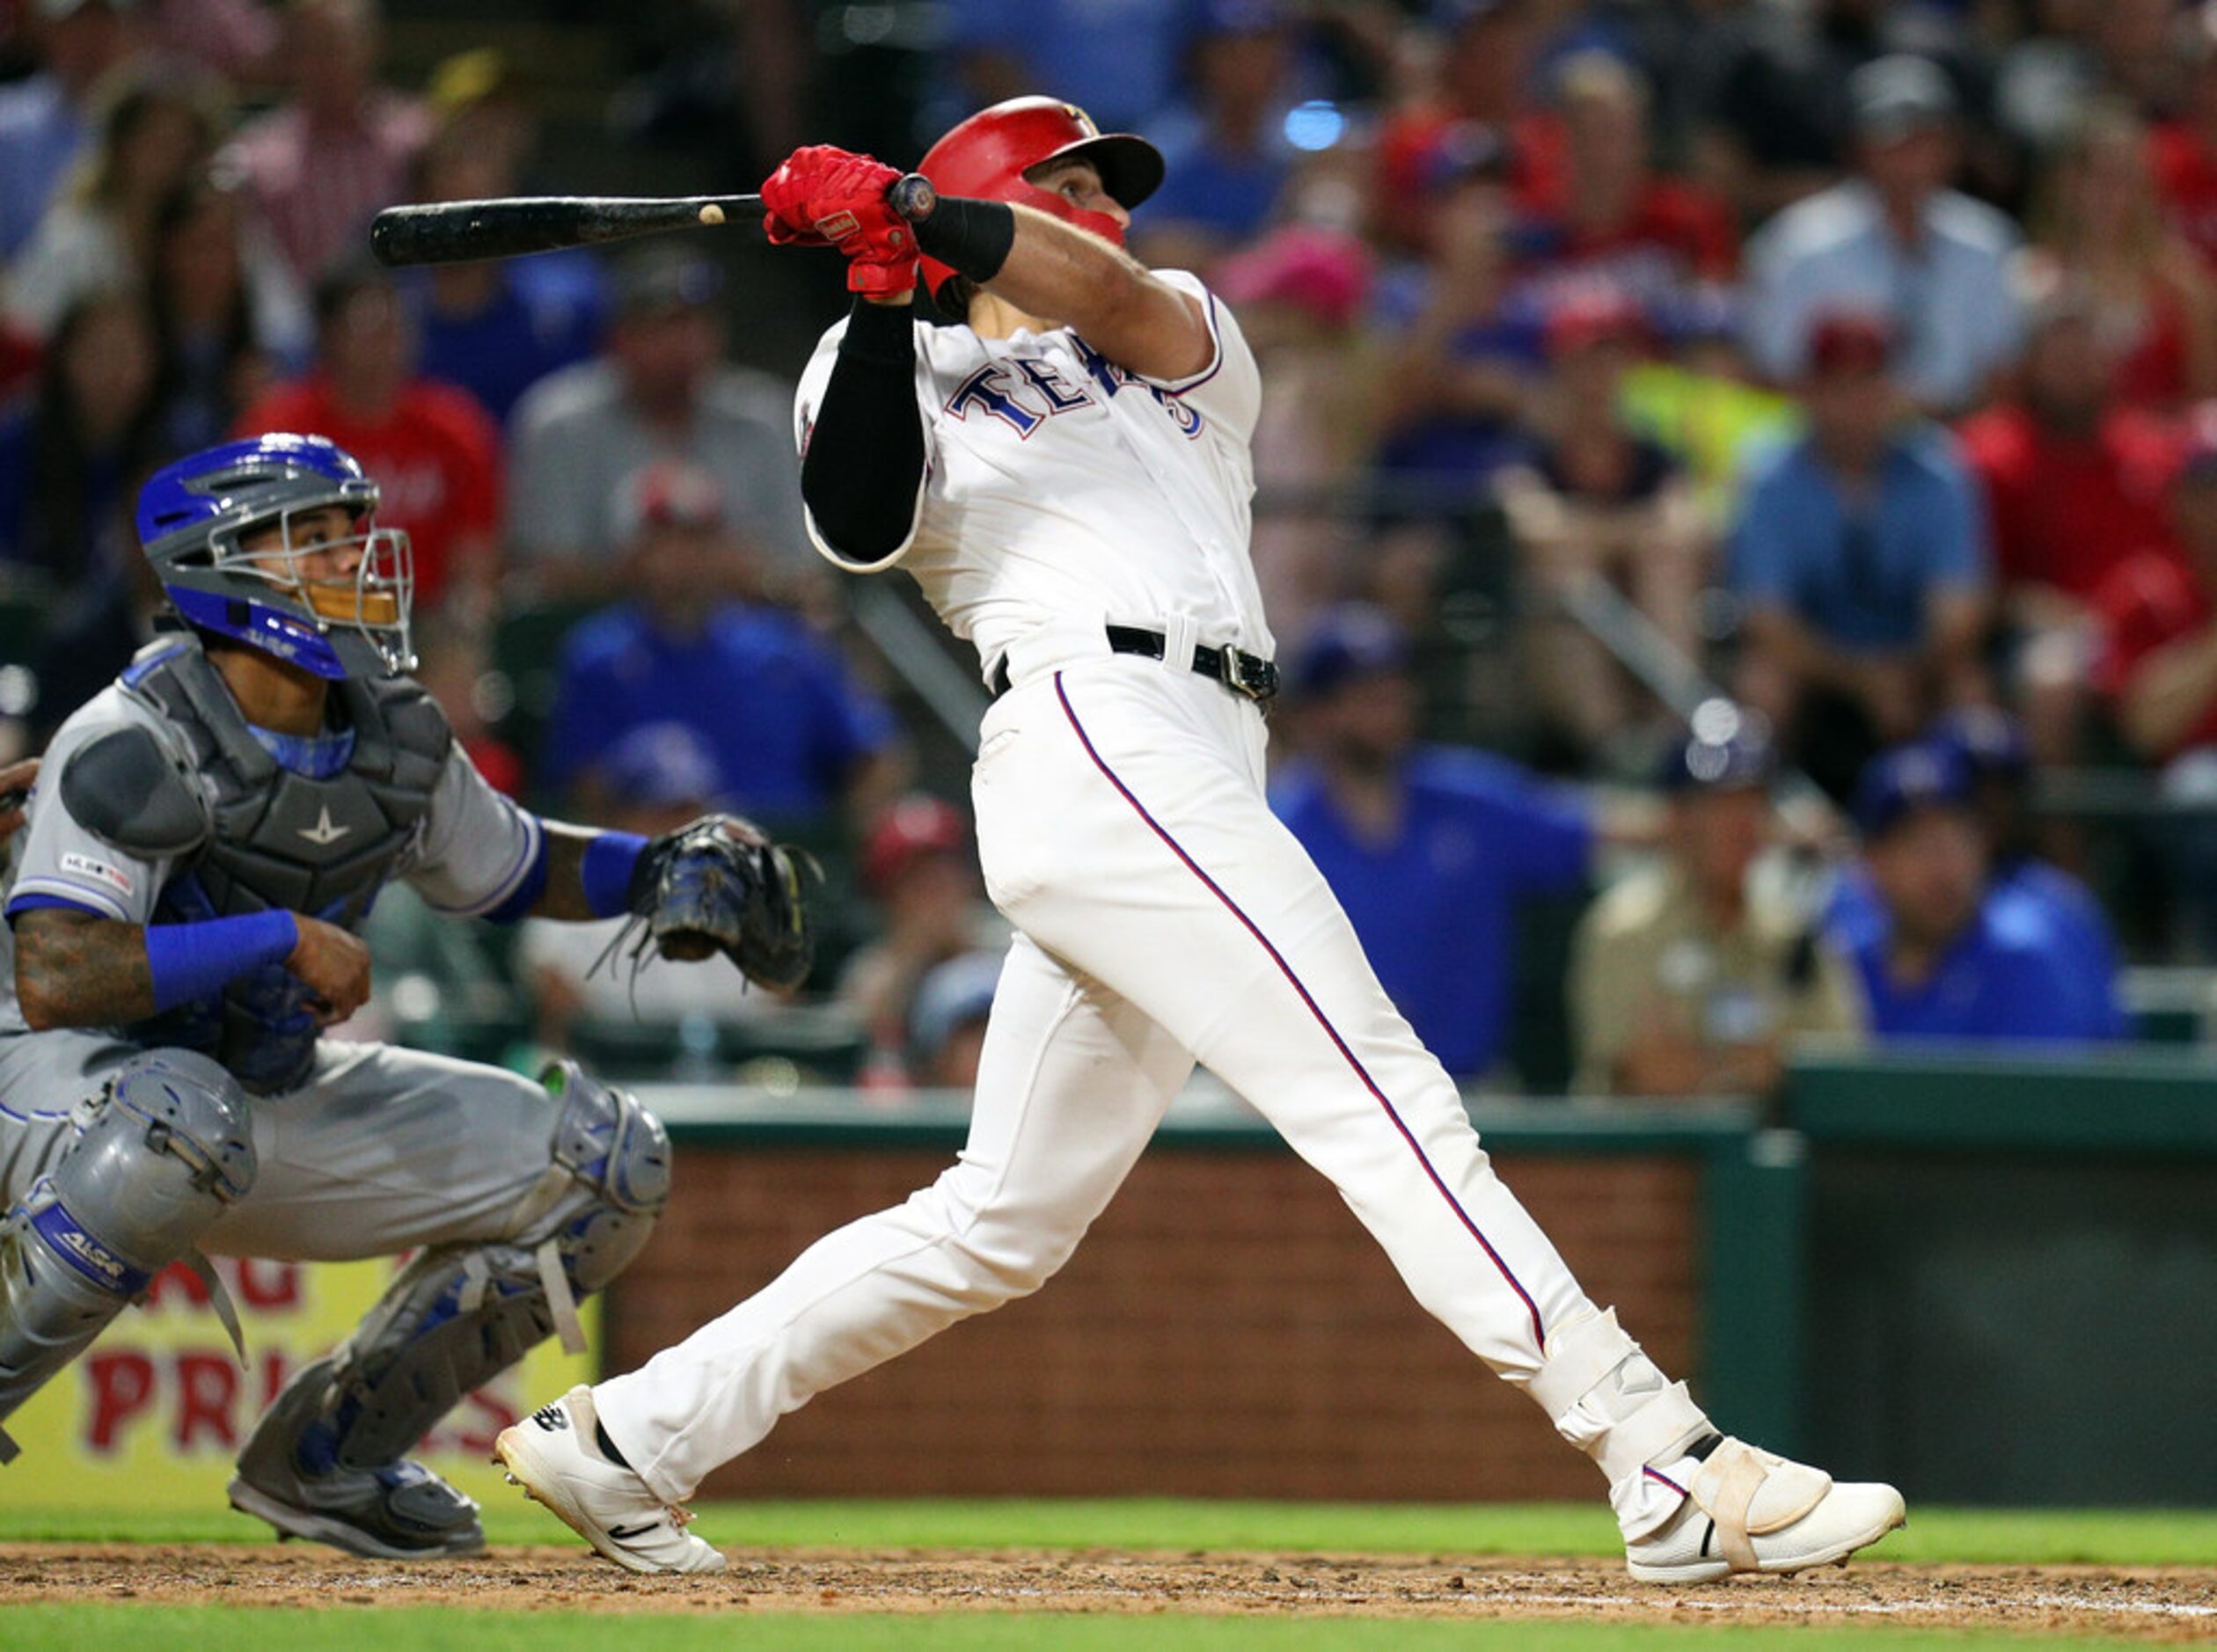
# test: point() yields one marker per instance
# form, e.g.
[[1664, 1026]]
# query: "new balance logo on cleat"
[[553, 1419]]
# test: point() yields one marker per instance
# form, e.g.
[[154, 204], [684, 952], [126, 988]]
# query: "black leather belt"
[[1247, 674]]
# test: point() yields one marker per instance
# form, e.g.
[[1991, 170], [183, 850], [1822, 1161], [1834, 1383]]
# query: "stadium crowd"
[[1847, 366]]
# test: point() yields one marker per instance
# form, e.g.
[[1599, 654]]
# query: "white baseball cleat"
[[552, 1455], [1750, 1511]]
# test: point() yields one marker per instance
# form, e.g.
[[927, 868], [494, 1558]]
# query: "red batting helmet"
[[992, 154]]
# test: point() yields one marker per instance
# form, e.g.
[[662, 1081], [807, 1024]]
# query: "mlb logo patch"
[[85, 866]]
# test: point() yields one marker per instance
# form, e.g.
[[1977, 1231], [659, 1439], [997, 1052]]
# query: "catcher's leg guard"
[[325, 1462], [167, 1145]]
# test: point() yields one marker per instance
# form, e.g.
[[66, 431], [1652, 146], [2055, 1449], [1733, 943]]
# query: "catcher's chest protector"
[[281, 839], [322, 847]]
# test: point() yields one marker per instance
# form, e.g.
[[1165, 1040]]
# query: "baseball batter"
[[1065, 472], [205, 837]]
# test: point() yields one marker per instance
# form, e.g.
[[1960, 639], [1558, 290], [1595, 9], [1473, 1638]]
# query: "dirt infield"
[[2156, 1604]]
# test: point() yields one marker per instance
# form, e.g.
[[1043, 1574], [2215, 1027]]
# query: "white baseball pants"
[[1164, 916]]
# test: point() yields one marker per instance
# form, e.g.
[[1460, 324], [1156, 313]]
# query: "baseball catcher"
[[205, 839]]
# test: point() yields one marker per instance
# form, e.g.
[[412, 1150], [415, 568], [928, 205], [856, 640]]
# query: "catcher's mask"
[[194, 516]]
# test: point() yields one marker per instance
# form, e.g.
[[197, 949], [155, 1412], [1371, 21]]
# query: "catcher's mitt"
[[717, 885]]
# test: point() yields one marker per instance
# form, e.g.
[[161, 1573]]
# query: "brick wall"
[[1227, 1329]]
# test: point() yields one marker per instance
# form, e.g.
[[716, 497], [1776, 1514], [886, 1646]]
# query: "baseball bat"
[[454, 231]]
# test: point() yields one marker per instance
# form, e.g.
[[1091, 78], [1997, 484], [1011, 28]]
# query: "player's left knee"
[[1009, 1254], [616, 1155]]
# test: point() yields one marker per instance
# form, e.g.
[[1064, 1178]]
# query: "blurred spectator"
[[476, 94], [100, 232], [19, 355], [2138, 43], [1776, 122], [453, 660], [2096, 225], [2046, 76], [90, 632], [947, 1025], [1698, 402], [1860, 562], [2073, 481], [663, 390], [2183, 152], [495, 326], [919, 869], [1300, 295], [739, 78], [2029, 894], [1119, 62], [236, 39], [1695, 978], [660, 776], [1599, 502], [321, 163], [2158, 669], [792, 737], [1896, 241], [1462, 352], [1998, 759], [1655, 239], [1942, 957], [1480, 103], [2158, 659], [1683, 49], [1226, 151], [434, 452], [70, 456], [47, 119], [1429, 850], [2074, 485], [224, 319], [1781, 114]]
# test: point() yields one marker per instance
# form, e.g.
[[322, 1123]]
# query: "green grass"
[[2091, 1537], [224, 1629]]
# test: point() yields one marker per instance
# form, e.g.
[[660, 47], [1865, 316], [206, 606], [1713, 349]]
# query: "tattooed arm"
[[76, 969], [564, 896]]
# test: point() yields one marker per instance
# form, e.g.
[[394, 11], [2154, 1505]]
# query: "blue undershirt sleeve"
[[189, 961]]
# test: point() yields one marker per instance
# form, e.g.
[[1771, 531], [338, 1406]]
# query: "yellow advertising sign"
[[154, 1411]]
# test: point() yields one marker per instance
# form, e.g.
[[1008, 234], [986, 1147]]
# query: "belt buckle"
[[1246, 674]]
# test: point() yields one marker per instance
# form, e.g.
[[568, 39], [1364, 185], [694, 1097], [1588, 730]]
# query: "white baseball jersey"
[[1062, 493]]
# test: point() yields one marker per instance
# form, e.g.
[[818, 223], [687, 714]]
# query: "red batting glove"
[[826, 196]]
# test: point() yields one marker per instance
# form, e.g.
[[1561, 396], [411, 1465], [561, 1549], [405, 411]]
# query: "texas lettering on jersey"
[[1024, 392]]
